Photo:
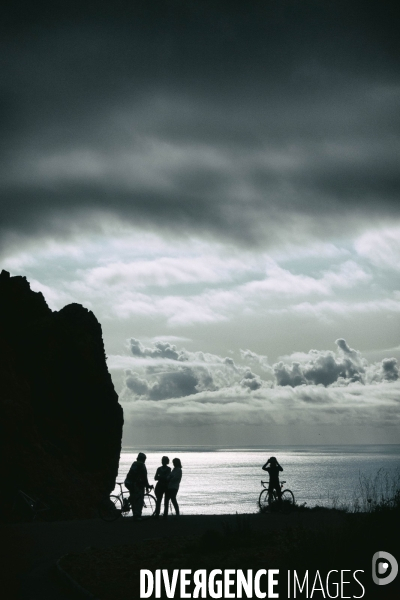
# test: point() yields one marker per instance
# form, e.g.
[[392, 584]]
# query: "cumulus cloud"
[[327, 388], [286, 375], [324, 368], [260, 360], [164, 373], [168, 382], [390, 369], [251, 381], [135, 384], [160, 349], [169, 372], [174, 384]]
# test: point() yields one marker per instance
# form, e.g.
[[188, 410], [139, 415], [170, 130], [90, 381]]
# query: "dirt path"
[[35, 547]]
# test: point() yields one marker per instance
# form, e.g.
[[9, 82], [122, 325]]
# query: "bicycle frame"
[[268, 498], [36, 506], [123, 493], [122, 506], [267, 482]]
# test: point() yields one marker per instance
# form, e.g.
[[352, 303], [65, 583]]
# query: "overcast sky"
[[219, 182]]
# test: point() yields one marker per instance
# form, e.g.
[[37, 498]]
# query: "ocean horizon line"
[[252, 447]]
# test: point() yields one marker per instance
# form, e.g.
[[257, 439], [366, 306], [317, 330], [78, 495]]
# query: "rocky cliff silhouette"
[[61, 423]]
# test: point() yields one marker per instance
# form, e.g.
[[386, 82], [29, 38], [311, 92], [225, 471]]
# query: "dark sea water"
[[227, 480]]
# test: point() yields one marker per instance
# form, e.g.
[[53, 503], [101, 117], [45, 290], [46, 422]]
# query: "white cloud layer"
[[358, 405], [190, 282], [381, 247], [221, 293]]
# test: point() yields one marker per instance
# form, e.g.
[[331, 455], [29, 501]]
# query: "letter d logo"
[[384, 564]]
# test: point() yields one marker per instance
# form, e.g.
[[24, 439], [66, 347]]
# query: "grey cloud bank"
[[252, 121]]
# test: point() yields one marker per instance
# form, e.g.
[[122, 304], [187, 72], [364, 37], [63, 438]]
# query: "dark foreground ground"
[[301, 540]]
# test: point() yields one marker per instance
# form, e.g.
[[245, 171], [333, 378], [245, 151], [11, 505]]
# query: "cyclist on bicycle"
[[136, 481], [273, 468]]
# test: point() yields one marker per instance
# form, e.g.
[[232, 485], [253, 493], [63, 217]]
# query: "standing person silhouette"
[[136, 481], [273, 469], [161, 477], [174, 480]]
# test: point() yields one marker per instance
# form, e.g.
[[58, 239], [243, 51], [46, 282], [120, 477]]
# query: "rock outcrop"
[[61, 423]]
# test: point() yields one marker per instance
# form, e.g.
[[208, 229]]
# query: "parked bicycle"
[[120, 505], [269, 499], [27, 508]]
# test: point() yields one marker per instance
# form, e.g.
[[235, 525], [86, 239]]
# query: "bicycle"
[[27, 507], [119, 505], [269, 500]]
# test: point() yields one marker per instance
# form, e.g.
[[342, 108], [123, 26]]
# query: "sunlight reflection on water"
[[227, 480]]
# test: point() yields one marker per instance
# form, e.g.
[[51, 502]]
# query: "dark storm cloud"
[[285, 108]]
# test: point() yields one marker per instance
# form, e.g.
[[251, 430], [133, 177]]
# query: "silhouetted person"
[[174, 480], [273, 469], [161, 477], [136, 481]]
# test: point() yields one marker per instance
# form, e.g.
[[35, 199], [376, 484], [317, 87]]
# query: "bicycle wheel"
[[111, 510], [263, 500], [149, 506], [287, 501], [22, 509]]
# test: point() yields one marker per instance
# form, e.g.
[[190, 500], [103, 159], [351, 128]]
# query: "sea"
[[223, 480]]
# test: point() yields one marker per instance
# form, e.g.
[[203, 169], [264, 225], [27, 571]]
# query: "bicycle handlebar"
[[264, 482], [121, 483]]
